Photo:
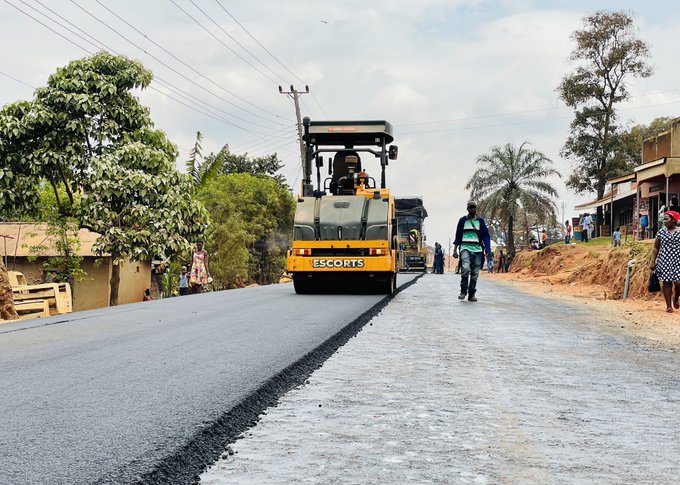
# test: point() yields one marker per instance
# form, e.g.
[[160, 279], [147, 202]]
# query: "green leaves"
[[89, 148], [252, 221], [510, 182], [609, 55]]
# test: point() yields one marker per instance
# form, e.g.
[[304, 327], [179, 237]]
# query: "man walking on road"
[[472, 237]]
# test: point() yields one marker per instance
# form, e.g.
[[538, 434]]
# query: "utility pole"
[[294, 94]]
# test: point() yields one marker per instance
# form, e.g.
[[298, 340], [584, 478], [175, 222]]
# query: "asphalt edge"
[[187, 463]]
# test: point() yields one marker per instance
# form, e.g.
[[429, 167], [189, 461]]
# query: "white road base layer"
[[511, 389]]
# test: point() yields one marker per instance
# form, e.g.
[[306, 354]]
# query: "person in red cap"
[[666, 259]]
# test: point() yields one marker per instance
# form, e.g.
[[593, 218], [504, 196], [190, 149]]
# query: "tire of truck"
[[302, 287], [391, 285]]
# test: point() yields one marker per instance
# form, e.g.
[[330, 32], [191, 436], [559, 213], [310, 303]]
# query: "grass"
[[600, 242]]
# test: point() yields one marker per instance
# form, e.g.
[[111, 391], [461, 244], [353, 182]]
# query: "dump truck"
[[412, 252], [345, 234]]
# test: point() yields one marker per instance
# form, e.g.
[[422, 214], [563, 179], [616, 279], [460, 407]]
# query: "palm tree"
[[510, 182], [203, 170]]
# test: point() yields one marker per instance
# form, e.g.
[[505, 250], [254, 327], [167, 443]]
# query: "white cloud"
[[404, 61]]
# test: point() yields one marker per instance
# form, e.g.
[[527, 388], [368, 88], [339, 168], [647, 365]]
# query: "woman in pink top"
[[200, 271], [567, 233]]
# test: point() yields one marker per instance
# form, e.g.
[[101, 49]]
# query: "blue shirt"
[[184, 281]]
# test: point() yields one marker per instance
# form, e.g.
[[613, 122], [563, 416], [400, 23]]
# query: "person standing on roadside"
[[438, 259], [200, 270], [567, 232], [666, 259], [616, 237], [183, 282], [501, 262], [674, 205], [472, 237], [585, 227], [489, 262]]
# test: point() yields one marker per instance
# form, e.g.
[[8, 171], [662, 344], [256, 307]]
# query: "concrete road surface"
[[126, 394], [513, 389]]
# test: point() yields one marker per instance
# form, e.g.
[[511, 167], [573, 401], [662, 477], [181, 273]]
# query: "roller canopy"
[[410, 206], [350, 133]]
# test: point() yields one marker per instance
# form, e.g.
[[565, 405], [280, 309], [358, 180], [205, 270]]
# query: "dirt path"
[[639, 317]]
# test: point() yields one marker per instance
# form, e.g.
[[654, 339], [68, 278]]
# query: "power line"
[[597, 113], [208, 111], [112, 50], [181, 61], [261, 145], [270, 54], [198, 110], [171, 68], [17, 80], [258, 42], [257, 141], [237, 42], [48, 27], [511, 113], [98, 45], [220, 41]]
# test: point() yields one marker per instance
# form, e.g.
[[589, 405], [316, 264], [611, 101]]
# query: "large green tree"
[[252, 221], [608, 56], [87, 136], [228, 163], [630, 141], [511, 181]]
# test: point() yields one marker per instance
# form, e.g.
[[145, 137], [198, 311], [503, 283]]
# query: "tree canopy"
[[228, 163], [87, 136], [630, 140], [511, 181], [608, 56], [252, 220]]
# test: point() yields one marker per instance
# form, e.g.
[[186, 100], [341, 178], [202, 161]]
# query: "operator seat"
[[340, 169]]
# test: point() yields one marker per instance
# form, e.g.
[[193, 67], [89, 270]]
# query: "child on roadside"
[[567, 233], [183, 282], [616, 237]]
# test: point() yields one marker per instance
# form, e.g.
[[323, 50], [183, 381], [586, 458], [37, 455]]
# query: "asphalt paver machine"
[[345, 234], [412, 252]]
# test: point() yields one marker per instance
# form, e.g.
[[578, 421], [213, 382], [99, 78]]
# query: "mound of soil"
[[595, 265]]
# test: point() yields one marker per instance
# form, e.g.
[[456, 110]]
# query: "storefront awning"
[[605, 199], [623, 178], [665, 167]]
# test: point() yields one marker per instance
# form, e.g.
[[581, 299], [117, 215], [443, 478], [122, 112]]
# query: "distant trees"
[[252, 220], [85, 151], [264, 166], [630, 141], [510, 183], [89, 139], [608, 55]]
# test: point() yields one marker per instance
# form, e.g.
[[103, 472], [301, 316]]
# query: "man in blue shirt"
[[472, 237]]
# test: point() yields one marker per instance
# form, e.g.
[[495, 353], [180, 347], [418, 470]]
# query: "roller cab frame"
[[344, 236]]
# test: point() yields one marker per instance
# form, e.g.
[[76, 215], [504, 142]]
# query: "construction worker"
[[413, 238], [362, 178]]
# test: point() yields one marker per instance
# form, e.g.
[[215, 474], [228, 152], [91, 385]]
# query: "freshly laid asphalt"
[[140, 392], [512, 389]]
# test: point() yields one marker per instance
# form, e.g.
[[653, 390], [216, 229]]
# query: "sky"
[[454, 77]]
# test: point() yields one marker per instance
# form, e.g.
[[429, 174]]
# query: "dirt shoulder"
[[592, 275]]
